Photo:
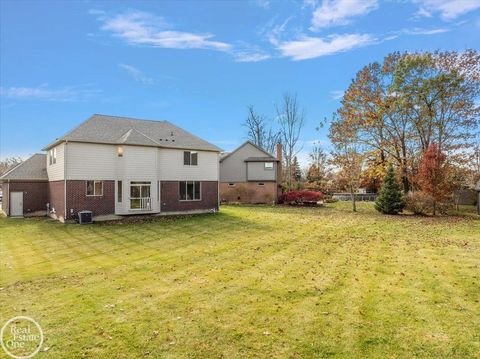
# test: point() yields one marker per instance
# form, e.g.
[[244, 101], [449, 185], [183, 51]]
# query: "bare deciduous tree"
[[260, 131], [8, 163], [291, 119]]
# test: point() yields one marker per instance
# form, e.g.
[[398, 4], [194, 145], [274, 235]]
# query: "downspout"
[[218, 182], [65, 182]]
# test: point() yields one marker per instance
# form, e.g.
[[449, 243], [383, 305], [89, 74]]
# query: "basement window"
[[261, 184], [231, 184]]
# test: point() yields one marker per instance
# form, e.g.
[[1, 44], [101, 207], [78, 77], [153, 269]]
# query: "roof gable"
[[258, 152], [133, 136]]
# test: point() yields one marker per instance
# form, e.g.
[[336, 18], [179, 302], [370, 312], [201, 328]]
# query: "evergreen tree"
[[390, 199], [296, 171]]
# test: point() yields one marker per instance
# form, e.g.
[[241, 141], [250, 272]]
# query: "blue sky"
[[199, 64]]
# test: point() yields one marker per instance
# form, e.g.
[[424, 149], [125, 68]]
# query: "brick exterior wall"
[[35, 196], [170, 197], [249, 192], [5, 199], [78, 200], [56, 197]]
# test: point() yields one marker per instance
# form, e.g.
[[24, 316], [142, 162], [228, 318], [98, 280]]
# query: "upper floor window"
[[190, 158], [52, 156], [94, 188], [268, 165]]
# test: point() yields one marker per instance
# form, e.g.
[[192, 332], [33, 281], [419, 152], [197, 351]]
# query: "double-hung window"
[[190, 158], [52, 156], [94, 188], [190, 191]]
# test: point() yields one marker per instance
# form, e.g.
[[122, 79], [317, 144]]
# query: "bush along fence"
[[365, 197]]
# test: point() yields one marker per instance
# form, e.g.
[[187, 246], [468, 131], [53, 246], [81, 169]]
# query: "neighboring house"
[[117, 166], [249, 174], [26, 187]]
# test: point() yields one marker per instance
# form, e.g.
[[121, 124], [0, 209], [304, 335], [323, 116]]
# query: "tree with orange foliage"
[[433, 175]]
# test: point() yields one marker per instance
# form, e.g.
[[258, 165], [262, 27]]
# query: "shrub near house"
[[301, 198]]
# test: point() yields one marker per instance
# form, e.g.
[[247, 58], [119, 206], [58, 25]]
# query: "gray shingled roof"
[[228, 154], [34, 169], [123, 130]]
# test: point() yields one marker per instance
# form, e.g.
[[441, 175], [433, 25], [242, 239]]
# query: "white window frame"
[[191, 153], [95, 194], [52, 156], [148, 199], [269, 168], [186, 184], [119, 191]]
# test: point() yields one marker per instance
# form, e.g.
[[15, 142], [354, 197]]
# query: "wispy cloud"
[[142, 28], [422, 31], [44, 92], [307, 47], [265, 4], [448, 9], [137, 74], [245, 56], [337, 94], [340, 12]]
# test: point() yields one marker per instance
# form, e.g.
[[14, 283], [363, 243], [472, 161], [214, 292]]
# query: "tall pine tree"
[[390, 199]]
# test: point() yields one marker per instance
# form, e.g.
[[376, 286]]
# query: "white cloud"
[[311, 47], [265, 4], [422, 31], [96, 12], [43, 92], [137, 74], [141, 28], [245, 56], [448, 9], [337, 94], [340, 12]]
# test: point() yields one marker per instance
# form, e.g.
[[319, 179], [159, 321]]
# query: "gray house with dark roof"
[[117, 166], [249, 174]]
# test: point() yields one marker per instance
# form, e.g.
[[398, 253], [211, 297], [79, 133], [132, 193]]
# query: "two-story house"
[[117, 166], [249, 174]]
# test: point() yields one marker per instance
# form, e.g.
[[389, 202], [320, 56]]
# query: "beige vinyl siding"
[[88, 161], [138, 163], [256, 172], [171, 167], [56, 171], [233, 168]]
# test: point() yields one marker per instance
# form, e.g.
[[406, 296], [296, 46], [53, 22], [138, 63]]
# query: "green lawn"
[[255, 282]]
